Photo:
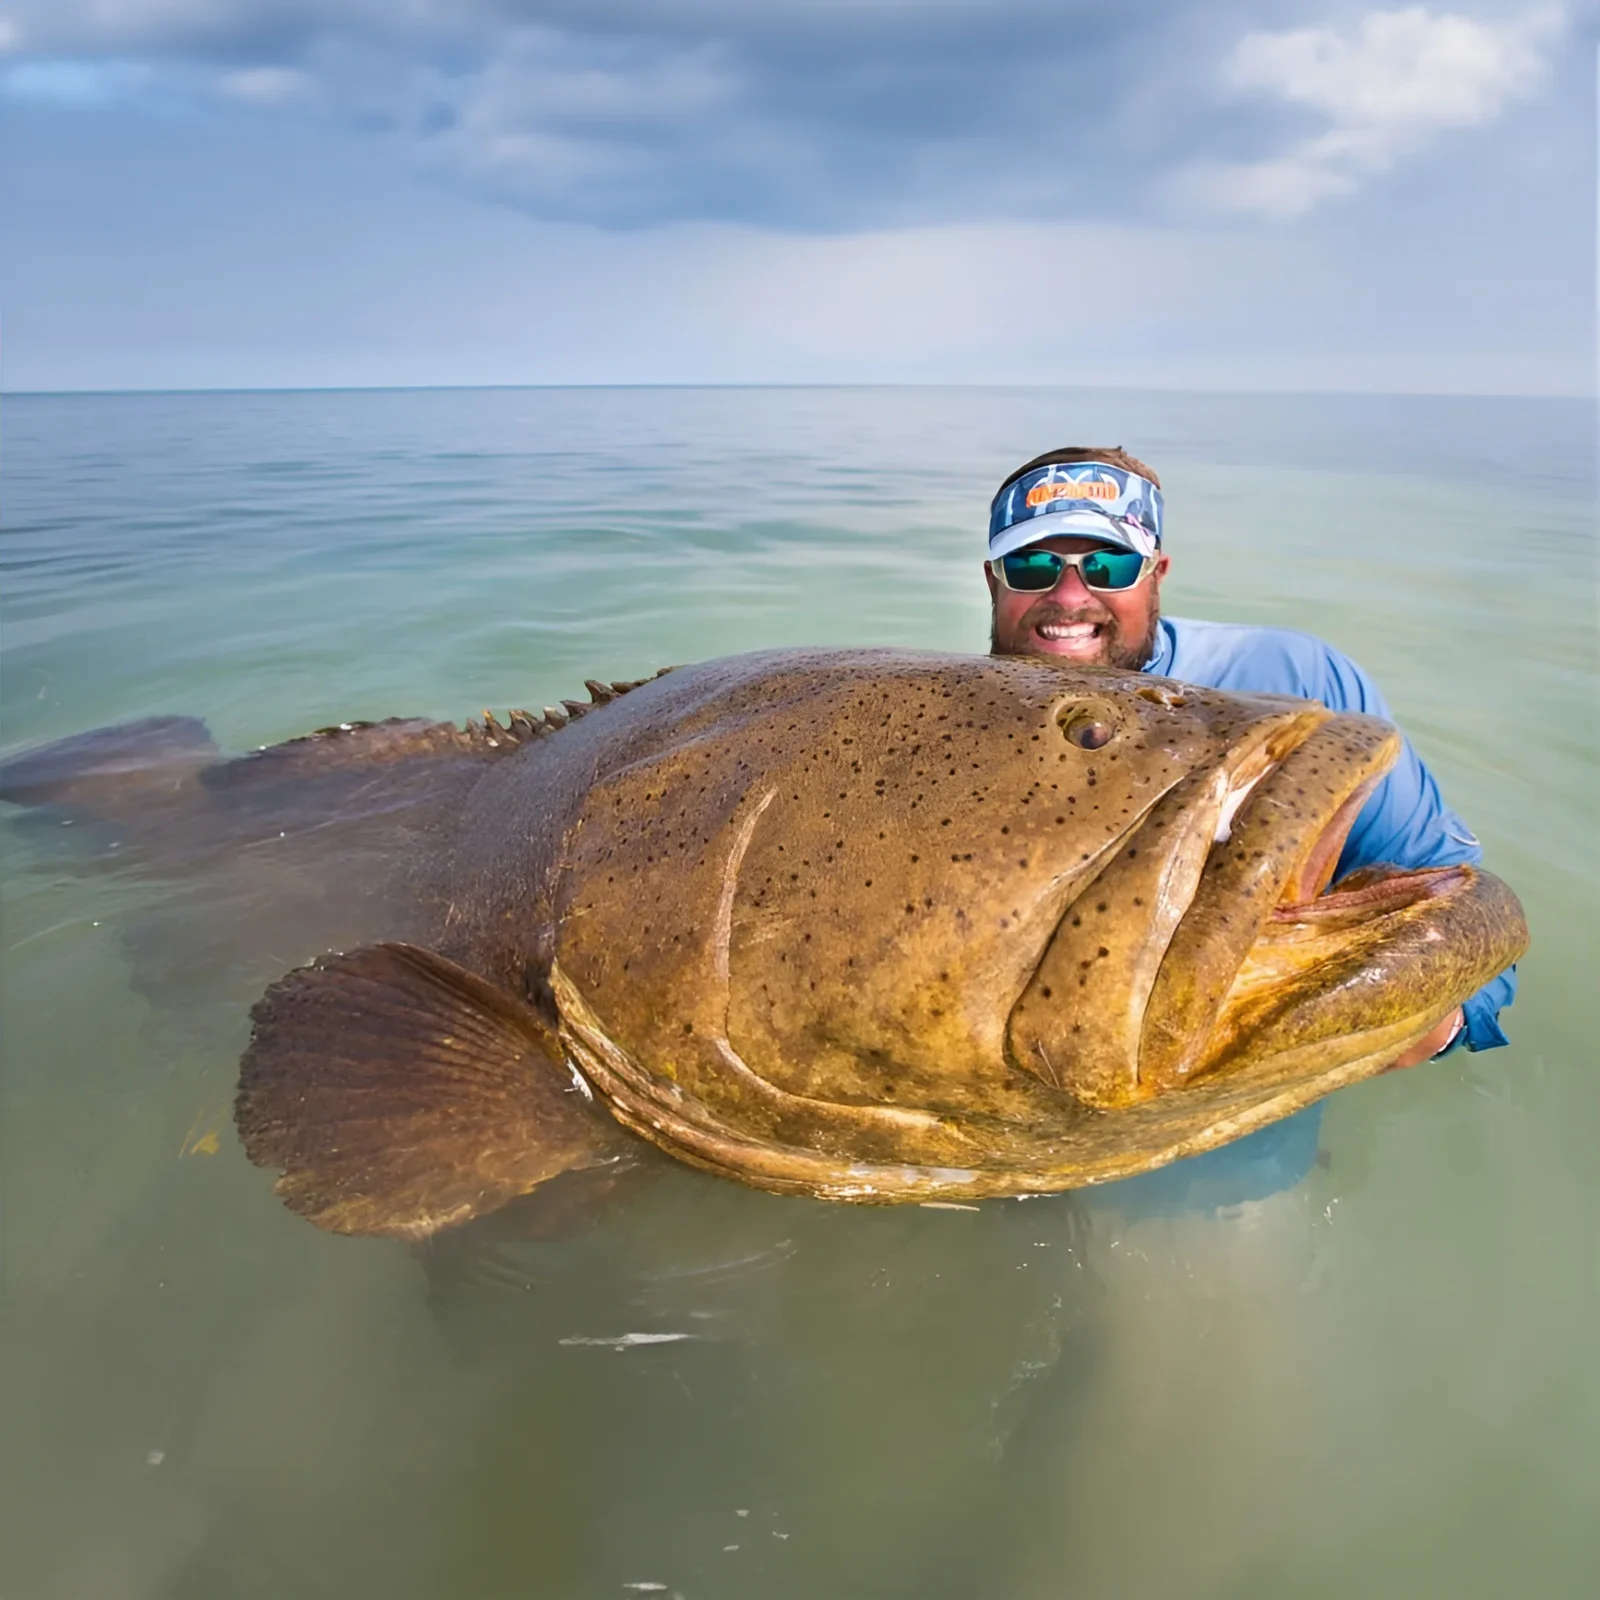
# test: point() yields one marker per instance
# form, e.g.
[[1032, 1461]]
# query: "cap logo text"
[[1090, 489]]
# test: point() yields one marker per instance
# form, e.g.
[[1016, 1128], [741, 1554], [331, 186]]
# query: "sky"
[[1240, 194]]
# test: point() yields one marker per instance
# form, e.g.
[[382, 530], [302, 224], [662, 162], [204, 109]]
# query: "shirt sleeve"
[[1405, 822]]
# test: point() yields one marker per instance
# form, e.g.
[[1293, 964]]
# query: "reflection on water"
[[1378, 1380]]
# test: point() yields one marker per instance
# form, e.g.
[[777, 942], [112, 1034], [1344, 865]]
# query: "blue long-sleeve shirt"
[[1405, 822]]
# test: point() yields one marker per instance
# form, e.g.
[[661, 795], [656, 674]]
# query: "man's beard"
[[1121, 650]]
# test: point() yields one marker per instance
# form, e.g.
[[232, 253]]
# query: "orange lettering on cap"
[[1095, 489]]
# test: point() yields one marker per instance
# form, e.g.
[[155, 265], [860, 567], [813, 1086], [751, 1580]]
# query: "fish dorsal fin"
[[362, 744], [125, 768], [522, 726], [400, 1093], [396, 740], [165, 772]]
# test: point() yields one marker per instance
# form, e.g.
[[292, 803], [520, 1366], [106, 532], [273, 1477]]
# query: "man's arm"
[[1432, 1044], [1407, 824]]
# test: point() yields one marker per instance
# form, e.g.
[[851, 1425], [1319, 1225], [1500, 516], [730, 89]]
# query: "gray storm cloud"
[[829, 117], [1249, 193]]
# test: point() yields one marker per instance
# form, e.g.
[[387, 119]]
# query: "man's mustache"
[[1048, 611]]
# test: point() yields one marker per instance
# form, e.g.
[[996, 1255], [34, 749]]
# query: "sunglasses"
[[1038, 571]]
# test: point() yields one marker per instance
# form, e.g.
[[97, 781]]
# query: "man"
[[1075, 569]]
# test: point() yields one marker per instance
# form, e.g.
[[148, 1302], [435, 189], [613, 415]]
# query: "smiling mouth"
[[1070, 632]]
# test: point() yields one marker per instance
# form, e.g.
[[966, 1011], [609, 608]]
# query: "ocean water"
[[1377, 1382]]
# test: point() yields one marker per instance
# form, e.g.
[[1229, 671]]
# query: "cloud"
[[821, 115], [245, 245], [1386, 89], [565, 126], [266, 86], [809, 115]]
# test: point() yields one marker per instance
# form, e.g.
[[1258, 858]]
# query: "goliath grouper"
[[867, 925]]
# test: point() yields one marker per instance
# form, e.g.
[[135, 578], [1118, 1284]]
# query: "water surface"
[[1377, 1382]]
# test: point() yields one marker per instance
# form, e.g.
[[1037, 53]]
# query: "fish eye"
[[1088, 732]]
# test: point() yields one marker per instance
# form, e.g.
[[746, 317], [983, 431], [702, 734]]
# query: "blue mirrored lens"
[[1111, 569], [1032, 569]]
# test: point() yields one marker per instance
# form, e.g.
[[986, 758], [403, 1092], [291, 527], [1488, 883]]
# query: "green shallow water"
[[1379, 1382]]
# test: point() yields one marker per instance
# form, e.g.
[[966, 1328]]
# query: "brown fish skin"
[[792, 937], [848, 877], [880, 926]]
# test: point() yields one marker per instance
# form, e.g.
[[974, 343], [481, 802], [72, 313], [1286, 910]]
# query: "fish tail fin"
[[401, 1094], [116, 773]]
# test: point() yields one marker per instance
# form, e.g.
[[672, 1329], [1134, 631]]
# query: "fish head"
[[1044, 921]]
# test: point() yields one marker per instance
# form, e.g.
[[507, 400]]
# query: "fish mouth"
[[1210, 981], [1363, 896], [1385, 949], [1268, 867], [1152, 949], [1211, 952]]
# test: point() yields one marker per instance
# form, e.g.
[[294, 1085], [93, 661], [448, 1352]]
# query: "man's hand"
[[1430, 1044]]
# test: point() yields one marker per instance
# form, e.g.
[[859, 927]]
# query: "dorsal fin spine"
[[521, 726]]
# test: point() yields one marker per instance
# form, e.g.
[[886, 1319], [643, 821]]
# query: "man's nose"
[[1071, 589]]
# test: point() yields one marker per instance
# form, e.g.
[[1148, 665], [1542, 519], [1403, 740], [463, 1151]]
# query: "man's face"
[[1109, 629]]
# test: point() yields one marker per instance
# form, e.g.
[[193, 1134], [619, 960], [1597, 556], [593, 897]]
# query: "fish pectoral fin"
[[400, 1094]]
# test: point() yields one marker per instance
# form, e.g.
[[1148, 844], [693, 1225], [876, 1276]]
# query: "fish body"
[[865, 925]]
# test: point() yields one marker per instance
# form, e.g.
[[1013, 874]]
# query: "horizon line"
[[1099, 388]]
